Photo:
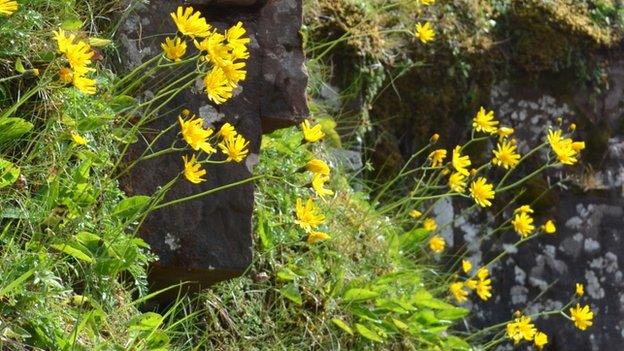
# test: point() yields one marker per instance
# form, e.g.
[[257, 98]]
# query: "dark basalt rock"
[[210, 239]]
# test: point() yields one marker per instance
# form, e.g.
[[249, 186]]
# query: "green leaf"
[[8, 173], [19, 67], [99, 42], [291, 292], [367, 333], [399, 324], [263, 231], [146, 322], [71, 24], [74, 250], [122, 103], [452, 314], [353, 295], [17, 282], [286, 274], [456, 343], [129, 207], [342, 325], [423, 298]]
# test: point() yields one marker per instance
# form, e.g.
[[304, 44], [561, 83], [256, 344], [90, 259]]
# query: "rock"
[[210, 239]]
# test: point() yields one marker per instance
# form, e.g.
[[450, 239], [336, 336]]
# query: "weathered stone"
[[210, 239]]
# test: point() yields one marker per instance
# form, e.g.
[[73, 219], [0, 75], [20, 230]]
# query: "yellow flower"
[[504, 132], [466, 266], [549, 227], [308, 217], [563, 147], [437, 244], [540, 340], [523, 208], [215, 49], [311, 134], [66, 75], [427, 2], [218, 88], [521, 328], [8, 7], [318, 184], [62, 41], [483, 286], [577, 146], [85, 85], [315, 237], [482, 192], [457, 182], [79, 57], [236, 42], [235, 148], [317, 166], [582, 317], [415, 214], [485, 122], [424, 32], [193, 170], [191, 24], [437, 157], [234, 72], [195, 135], [523, 224], [78, 139], [227, 131], [459, 162], [580, 290], [174, 49], [430, 224], [505, 155], [457, 289]]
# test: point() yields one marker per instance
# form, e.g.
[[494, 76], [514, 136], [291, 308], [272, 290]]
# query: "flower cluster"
[[224, 53], [565, 149], [79, 57]]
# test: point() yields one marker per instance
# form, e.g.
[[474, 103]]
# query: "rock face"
[[210, 239]]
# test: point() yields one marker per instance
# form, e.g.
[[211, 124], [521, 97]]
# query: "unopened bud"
[[434, 138]]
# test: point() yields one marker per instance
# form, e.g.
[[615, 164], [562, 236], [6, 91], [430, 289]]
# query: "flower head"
[[318, 184], [459, 162], [237, 42], [437, 243], [485, 122], [437, 157], [430, 224], [483, 286], [174, 49], [415, 213], [549, 227], [308, 217], [79, 56], [317, 166], [523, 208], [523, 224], [66, 75], [234, 72], [466, 266], [580, 290], [311, 133], [78, 139], [521, 328], [214, 49], [505, 155], [315, 237], [457, 289], [227, 131], [218, 87], [540, 340], [504, 132], [196, 135], [84, 85], [581, 316], [424, 32], [482, 192], [457, 182], [563, 147], [235, 148], [190, 23], [193, 171], [8, 7]]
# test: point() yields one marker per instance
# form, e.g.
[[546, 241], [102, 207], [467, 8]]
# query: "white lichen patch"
[[173, 242]]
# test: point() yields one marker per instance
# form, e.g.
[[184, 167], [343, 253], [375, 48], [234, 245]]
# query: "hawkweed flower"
[[234, 72], [79, 56], [214, 48], [485, 122], [318, 184], [482, 192], [466, 266], [459, 162], [457, 289], [308, 216], [63, 41], [174, 49], [84, 85], [191, 23], [523, 208], [521, 328], [237, 42], [580, 290], [66, 75], [427, 2], [424, 32], [549, 227], [457, 182], [315, 237], [227, 131], [235, 148], [8, 7], [563, 147], [540, 340], [430, 224], [437, 244], [78, 139], [505, 155], [311, 133], [483, 284], [193, 171], [581, 316], [195, 135], [437, 157], [578, 146], [504, 132], [317, 166], [415, 214], [523, 224], [218, 87]]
